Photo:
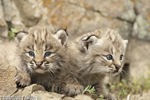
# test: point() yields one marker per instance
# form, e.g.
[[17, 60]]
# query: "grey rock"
[[30, 11], [97, 21], [43, 95], [141, 28], [80, 20], [142, 7], [83, 97], [68, 98], [3, 24], [12, 15], [7, 83], [27, 91], [137, 56], [23, 14], [7, 7], [123, 9]]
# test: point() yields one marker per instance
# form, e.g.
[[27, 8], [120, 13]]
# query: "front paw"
[[22, 79], [73, 90]]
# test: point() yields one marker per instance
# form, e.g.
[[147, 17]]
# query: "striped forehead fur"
[[42, 36], [41, 33], [107, 34]]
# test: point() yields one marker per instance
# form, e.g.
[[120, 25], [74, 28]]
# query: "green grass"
[[123, 89], [11, 33], [89, 89]]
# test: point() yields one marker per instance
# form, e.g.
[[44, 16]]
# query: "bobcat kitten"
[[43, 54], [95, 55]]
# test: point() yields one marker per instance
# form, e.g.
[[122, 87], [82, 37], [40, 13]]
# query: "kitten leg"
[[22, 78], [73, 87], [101, 90]]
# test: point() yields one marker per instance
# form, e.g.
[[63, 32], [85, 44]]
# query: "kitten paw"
[[22, 79], [73, 90]]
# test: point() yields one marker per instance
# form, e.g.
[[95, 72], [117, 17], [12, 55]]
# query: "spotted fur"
[[88, 58], [43, 54]]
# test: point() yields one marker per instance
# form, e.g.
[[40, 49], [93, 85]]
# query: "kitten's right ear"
[[61, 36], [19, 36], [88, 41]]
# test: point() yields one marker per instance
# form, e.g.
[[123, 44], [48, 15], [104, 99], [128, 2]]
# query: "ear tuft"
[[125, 42], [62, 36], [20, 35]]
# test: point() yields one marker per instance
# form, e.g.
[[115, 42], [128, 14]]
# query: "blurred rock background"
[[131, 18]]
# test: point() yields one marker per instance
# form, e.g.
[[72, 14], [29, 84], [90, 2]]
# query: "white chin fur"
[[40, 71]]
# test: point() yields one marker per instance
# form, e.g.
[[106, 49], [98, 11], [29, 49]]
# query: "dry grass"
[[123, 89]]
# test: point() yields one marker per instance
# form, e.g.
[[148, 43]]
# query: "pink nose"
[[117, 67], [38, 64]]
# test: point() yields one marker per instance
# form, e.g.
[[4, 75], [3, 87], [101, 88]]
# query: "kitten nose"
[[117, 67], [39, 63]]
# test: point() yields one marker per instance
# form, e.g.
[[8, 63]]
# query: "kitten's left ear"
[[125, 42], [61, 36], [88, 42], [19, 36]]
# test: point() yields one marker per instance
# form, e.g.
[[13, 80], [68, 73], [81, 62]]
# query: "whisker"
[[110, 75], [123, 71], [51, 72]]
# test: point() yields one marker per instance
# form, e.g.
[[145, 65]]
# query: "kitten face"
[[43, 49], [104, 51], [42, 59], [108, 58]]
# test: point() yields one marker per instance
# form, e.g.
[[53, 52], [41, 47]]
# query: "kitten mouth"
[[116, 72], [40, 70], [113, 71]]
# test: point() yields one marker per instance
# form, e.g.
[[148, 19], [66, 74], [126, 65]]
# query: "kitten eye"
[[47, 54], [31, 53], [109, 57], [121, 56]]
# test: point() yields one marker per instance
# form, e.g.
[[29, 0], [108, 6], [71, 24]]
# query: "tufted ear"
[[19, 36], [88, 41], [125, 42], [61, 36]]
